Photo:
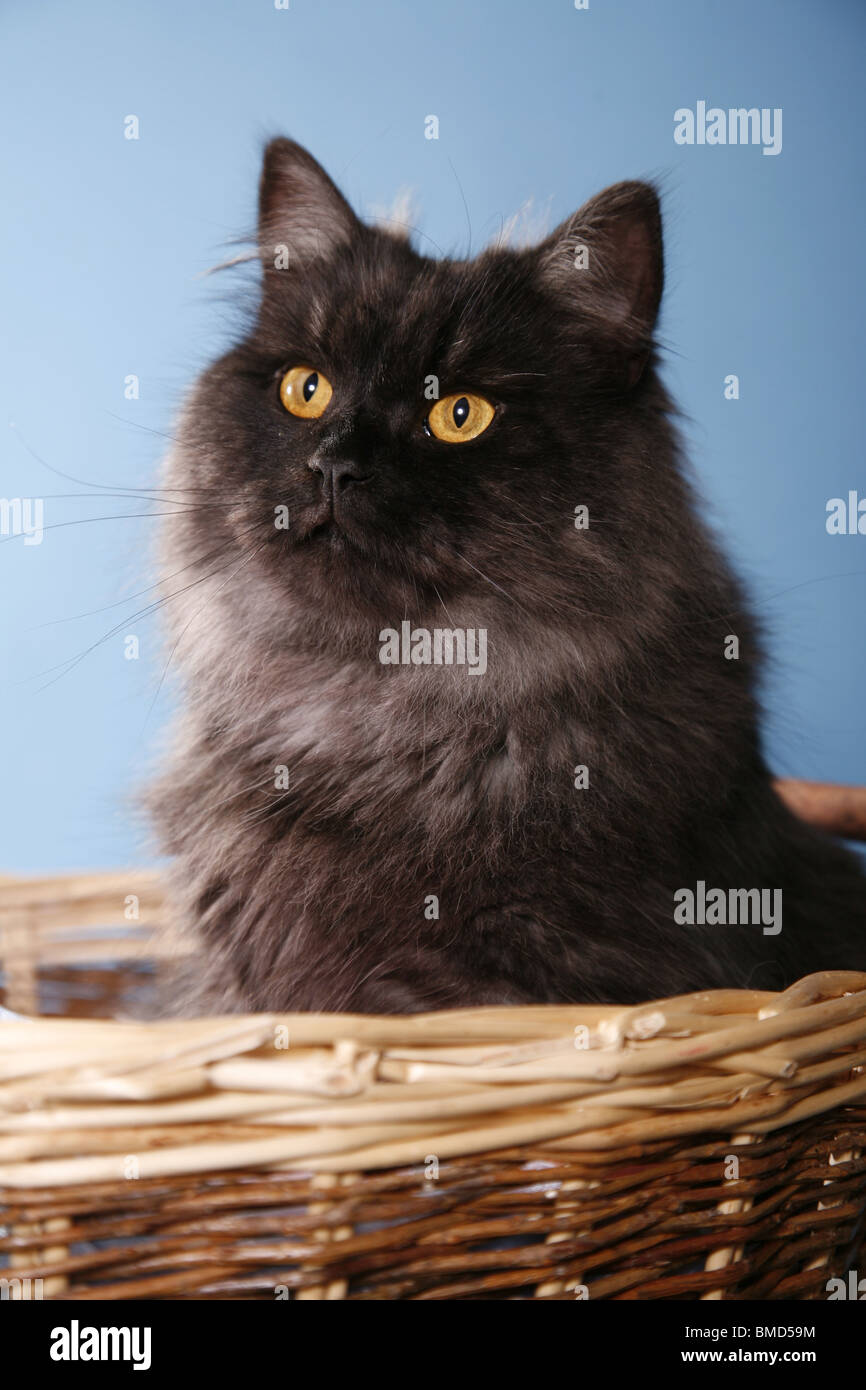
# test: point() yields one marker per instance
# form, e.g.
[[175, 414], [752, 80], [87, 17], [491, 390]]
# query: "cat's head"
[[397, 430]]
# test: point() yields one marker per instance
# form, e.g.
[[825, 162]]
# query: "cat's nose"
[[337, 474]]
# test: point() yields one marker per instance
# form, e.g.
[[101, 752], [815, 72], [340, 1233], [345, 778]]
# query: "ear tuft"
[[300, 207]]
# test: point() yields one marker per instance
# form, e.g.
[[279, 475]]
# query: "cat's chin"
[[352, 568], [357, 564], [329, 537], [335, 538], [361, 575]]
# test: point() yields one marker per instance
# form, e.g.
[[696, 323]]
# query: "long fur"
[[606, 646]]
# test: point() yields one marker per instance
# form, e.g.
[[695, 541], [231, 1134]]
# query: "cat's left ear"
[[607, 258], [303, 216]]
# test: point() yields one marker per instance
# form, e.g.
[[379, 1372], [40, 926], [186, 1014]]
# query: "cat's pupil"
[[310, 385], [461, 412]]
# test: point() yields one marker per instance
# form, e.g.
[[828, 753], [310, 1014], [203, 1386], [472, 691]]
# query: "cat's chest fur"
[[324, 743], [353, 807]]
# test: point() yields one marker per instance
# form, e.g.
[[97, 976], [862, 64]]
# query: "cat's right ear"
[[303, 216]]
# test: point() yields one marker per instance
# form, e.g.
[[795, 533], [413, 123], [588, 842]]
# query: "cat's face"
[[397, 427]]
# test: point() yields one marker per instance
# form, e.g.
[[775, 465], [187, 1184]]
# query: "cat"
[[477, 445]]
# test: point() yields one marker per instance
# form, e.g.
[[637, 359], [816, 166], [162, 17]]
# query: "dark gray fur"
[[606, 646]]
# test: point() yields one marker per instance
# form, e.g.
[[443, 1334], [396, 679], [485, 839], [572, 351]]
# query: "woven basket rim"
[[342, 1092]]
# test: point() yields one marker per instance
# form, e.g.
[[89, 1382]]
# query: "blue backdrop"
[[105, 239]]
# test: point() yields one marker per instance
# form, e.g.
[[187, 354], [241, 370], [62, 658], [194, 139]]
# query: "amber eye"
[[457, 418], [305, 392]]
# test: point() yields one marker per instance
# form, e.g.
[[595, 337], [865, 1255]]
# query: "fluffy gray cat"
[[466, 447]]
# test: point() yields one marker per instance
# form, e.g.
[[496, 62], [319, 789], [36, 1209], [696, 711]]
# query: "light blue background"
[[103, 242]]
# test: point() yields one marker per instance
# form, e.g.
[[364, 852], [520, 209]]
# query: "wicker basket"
[[711, 1146]]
